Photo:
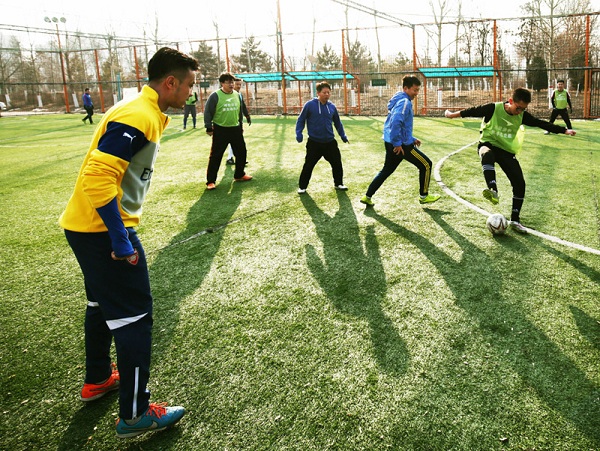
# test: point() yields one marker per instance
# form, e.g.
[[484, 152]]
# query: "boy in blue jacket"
[[400, 144], [318, 114]]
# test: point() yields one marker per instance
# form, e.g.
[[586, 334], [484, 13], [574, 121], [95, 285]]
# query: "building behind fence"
[[461, 64]]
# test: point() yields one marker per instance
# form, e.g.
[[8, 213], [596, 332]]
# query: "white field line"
[[554, 239]]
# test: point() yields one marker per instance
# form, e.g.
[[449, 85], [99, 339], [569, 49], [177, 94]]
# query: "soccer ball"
[[496, 224]]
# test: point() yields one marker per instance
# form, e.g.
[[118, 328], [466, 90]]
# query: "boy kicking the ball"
[[501, 140]]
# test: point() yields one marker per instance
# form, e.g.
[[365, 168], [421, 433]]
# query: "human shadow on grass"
[[85, 422], [479, 294], [588, 327], [180, 268], [353, 278]]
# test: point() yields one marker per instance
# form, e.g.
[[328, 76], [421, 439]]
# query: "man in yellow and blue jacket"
[[99, 222]]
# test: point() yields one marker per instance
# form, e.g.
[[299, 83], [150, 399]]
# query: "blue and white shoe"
[[157, 418]]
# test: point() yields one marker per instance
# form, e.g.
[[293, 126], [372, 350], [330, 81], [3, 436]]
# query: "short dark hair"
[[322, 85], [86, 89], [522, 95], [226, 76], [410, 81], [560, 81], [167, 61]]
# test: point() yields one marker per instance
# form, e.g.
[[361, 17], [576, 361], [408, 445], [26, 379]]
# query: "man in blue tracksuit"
[[88, 106], [318, 114], [400, 143]]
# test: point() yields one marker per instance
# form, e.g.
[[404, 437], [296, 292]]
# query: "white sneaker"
[[518, 227], [546, 132], [301, 191], [341, 187]]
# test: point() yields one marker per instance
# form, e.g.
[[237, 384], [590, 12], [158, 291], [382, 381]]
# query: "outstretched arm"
[[451, 115]]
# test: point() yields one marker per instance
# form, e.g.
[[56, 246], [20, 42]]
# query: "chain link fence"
[[508, 53]]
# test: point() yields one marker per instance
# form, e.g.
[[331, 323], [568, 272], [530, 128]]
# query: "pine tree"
[[252, 59], [208, 61], [327, 59]]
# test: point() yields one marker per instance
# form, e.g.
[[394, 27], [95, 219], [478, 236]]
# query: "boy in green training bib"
[[560, 100], [501, 140]]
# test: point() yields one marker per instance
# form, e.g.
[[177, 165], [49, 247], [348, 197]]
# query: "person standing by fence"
[[190, 108], [88, 105], [560, 100]]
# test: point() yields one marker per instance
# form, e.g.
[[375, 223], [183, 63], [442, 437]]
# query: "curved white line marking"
[[438, 179]]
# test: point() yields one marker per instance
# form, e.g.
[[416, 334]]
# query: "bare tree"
[[440, 11], [544, 25], [483, 49], [216, 25], [458, 24], [467, 39]]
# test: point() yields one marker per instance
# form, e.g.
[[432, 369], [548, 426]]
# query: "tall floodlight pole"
[[62, 63]]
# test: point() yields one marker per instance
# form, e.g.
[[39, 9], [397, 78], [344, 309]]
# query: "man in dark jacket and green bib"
[[223, 121]]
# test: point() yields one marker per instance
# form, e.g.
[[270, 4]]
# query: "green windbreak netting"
[[295, 76], [455, 72]]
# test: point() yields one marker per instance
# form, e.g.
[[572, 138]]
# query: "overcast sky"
[[194, 20]]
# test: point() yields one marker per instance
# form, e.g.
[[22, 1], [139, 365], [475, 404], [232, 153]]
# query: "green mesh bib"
[[504, 130]]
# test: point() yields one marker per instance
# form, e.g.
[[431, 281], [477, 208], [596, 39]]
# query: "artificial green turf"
[[309, 322]]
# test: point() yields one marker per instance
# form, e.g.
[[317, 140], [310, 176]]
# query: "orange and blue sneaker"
[[90, 392], [157, 418]]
